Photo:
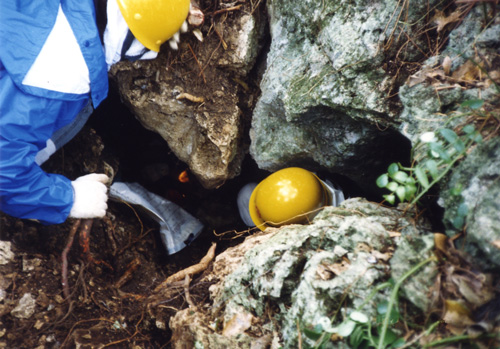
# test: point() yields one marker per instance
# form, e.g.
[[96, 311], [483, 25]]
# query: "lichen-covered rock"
[[478, 178], [430, 95], [300, 275], [244, 43], [410, 251], [432, 99], [324, 93]]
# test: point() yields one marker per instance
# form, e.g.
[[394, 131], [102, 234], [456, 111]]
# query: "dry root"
[[194, 269]]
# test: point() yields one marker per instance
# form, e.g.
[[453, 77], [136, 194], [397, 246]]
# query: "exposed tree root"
[[194, 269], [64, 258]]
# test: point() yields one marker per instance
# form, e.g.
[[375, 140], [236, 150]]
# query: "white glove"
[[90, 196]]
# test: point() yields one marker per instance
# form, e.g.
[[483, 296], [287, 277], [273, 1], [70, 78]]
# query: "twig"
[[194, 269], [169, 308], [68, 336], [64, 257], [224, 45], [187, 280], [473, 1], [257, 5], [110, 230], [199, 65], [234, 8], [60, 321], [128, 338], [85, 243], [131, 267], [81, 280], [423, 334], [85, 238], [211, 55]]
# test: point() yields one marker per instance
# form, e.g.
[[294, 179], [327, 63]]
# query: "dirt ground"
[[112, 299], [112, 288]]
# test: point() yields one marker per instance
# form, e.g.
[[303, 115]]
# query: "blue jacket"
[[30, 115]]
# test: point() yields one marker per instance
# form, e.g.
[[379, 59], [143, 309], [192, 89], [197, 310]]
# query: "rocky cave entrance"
[[114, 300], [117, 290], [145, 157]]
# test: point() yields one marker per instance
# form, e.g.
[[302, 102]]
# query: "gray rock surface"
[[412, 250], [307, 274], [324, 94], [479, 177], [430, 95], [431, 100]]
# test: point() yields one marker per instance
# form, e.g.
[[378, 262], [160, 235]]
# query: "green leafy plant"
[[409, 184]]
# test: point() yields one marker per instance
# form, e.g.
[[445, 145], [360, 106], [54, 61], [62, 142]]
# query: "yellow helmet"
[[291, 195], [154, 21]]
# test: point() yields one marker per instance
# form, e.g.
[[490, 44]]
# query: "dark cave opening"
[[147, 159]]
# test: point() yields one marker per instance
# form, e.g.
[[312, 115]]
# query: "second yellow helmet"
[[154, 21], [291, 195]]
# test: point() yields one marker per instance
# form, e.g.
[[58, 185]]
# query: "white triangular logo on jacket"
[[60, 65]]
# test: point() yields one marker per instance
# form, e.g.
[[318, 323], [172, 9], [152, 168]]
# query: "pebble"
[[6, 254], [26, 307], [31, 264]]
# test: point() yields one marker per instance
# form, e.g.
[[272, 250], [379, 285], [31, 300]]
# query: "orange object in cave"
[[183, 177]]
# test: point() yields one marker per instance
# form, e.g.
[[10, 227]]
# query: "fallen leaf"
[[324, 273], [363, 247], [327, 271], [335, 337], [446, 65], [427, 74], [496, 243], [238, 324], [438, 73], [457, 316], [415, 79], [442, 20], [382, 256], [466, 72], [394, 234], [262, 342], [476, 289], [441, 242]]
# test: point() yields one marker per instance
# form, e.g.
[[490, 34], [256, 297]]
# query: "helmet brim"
[[254, 213]]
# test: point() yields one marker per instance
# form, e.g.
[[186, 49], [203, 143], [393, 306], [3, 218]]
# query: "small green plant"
[[363, 332], [409, 184]]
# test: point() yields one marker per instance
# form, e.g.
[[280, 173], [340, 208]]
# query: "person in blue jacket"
[[53, 72]]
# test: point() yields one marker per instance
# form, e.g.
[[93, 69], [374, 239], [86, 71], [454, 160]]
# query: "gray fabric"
[[64, 134], [243, 201], [68, 132], [177, 227]]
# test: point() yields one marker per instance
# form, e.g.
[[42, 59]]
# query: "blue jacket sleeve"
[[26, 122]]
